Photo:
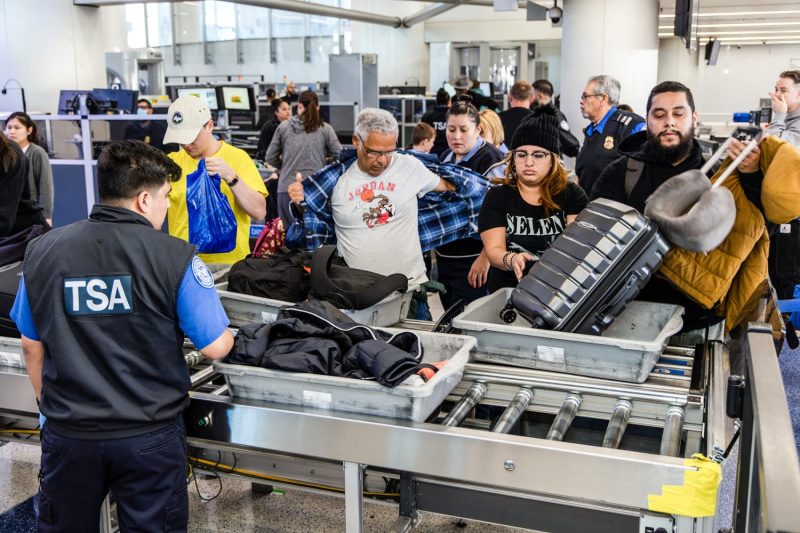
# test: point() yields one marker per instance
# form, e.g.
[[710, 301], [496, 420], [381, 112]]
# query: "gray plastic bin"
[[245, 309], [406, 402], [626, 351]]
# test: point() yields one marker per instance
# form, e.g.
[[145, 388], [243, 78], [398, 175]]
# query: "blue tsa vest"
[[103, 295], [600, 149]]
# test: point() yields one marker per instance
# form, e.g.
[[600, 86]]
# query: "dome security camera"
[[554, 14]]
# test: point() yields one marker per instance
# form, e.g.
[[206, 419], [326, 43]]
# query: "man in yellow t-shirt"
[[189, 124]]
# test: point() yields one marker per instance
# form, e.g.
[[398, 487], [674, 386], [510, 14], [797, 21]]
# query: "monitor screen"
[[209, 94], [67, 102], [238, 98], [119, 100], [486, 88]]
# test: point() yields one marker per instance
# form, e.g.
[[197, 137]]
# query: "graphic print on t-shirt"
[[372, 200], [539, 227]]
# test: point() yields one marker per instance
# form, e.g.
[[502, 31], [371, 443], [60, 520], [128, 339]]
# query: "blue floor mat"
[[19, 519], [790, 369]]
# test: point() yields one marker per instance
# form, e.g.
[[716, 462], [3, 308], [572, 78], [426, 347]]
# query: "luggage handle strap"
[[321, 262]]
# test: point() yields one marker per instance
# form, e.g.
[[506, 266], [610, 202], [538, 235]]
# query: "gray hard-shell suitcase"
[[591, 271]]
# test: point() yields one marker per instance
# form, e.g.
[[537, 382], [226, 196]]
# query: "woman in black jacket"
[[17, 210], [462, 266]]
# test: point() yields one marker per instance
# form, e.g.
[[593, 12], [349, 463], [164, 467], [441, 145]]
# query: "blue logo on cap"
[[177, 118]]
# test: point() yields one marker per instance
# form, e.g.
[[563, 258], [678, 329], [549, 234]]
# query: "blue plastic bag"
[[212, 224], [794, 318]]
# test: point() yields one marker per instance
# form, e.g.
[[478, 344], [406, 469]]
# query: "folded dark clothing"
[[315, 337]]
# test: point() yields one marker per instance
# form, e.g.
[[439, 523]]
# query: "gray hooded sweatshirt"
[[292, 150], [786, 126]]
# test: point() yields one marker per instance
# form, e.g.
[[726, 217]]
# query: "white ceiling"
[[741, 22]]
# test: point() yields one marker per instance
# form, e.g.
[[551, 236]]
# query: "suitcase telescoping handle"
[[751, 135]]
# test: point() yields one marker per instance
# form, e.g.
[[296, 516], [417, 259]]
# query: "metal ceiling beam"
[[487, 3], [430, 12]]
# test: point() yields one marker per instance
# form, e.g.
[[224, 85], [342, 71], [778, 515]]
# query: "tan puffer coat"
[[729, 275]]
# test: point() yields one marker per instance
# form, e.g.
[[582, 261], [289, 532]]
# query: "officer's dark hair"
[[544, 87], [145, 101], [442, 97], [462, 105], [126, 168], [670, 87]]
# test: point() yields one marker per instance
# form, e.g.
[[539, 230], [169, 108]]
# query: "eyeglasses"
[[585, 96], [522, 155], [375, 154]]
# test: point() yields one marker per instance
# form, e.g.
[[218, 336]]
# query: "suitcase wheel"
[[508, 315]]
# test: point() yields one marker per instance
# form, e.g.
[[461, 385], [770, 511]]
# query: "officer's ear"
[[144, 202]]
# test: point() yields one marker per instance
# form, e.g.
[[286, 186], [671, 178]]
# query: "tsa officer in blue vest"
[[609, 126], [103, 308]]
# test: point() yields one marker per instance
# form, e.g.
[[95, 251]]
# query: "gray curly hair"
[[372, 119], [607, 85]]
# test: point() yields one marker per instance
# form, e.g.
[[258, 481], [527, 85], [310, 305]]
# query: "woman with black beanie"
[[520, 218]]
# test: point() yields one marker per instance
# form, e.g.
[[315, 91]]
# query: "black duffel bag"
[[350, 288], [282, 277]]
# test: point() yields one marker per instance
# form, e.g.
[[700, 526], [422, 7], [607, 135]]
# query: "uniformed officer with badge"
[[103, 308], [609, 126]]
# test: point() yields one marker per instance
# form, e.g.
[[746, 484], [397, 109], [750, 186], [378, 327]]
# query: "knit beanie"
[[540, 128]]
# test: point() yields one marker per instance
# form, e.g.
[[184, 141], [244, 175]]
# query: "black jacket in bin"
[[315, 337]]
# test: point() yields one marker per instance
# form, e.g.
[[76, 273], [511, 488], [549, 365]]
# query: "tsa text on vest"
[[109, 295]]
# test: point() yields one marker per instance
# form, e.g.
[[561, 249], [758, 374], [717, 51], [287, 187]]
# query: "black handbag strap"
[[322, 284]]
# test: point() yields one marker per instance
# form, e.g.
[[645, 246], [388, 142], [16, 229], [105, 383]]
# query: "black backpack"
[[291, 276], [282, 277]]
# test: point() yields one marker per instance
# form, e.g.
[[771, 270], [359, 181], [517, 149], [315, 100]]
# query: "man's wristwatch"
[[234, 181]]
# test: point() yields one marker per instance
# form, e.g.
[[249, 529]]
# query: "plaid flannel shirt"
[[443, 216]]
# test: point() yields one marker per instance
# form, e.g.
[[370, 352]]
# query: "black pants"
[[146, 474], [452, 273]]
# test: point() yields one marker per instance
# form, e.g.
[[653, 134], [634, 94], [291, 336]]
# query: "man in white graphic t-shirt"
[[374, 202]]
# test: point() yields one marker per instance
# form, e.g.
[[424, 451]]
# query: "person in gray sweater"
[[786, 108], [22, 130], [300, 146]]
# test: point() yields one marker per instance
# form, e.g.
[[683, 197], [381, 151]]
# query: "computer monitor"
[[68, 101], [209, 94], [487, 88], [238, 98], [116, 100]]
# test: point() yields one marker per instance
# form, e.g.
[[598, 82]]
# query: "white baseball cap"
[[186, 117]]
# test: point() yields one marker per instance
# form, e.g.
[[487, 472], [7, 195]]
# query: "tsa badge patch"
[[177, 118], [608, 144], [202, 274]]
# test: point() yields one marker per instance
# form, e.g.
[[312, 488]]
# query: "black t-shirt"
[[511, 119], [527, 227]]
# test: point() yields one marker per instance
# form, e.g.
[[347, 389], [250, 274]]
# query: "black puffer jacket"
[[315, 337]]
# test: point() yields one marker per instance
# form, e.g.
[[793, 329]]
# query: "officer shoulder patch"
[[202, 274]]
